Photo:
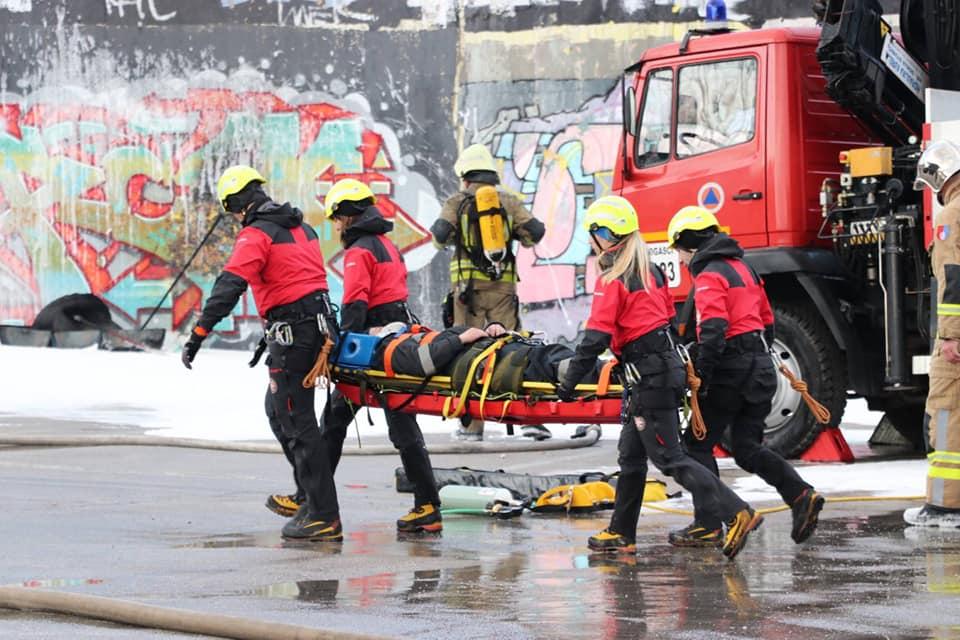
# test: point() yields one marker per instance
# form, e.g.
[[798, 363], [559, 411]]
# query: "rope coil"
[[319, 375], [696, 417], [820, 412]]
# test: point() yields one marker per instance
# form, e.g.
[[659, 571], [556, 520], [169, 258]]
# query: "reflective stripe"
[[426, 362], [946, 473], [937, 485], [944, 456], [459, 275], [942, 310]]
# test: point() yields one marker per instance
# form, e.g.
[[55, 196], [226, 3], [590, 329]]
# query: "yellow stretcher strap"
[[450, 411]]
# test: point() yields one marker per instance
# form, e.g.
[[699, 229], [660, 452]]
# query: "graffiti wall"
[[117, 117]]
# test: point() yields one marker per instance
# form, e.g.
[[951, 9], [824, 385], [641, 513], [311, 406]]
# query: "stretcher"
[[536, 404]]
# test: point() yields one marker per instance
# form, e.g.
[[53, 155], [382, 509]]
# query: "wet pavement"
[[187, 529]]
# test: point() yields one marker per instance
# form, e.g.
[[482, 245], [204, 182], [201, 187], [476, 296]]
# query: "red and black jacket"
[[374, 273], [277, 254], [730, 301], [621, 311]]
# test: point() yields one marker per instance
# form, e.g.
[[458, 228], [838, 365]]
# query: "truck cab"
[[741, 124]]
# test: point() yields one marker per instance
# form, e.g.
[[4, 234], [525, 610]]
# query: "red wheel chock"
[[828, 446]]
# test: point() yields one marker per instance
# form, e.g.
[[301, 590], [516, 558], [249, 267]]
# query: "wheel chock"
[[829, 446]]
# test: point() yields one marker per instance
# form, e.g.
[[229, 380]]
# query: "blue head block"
[[357, 350]]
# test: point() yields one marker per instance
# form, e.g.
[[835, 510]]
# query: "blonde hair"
[[632, 259]]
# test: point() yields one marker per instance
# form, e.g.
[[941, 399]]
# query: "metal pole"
[[182, 271]]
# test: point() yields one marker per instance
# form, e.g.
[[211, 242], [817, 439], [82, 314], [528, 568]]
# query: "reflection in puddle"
[[841, 584], [60, 582]]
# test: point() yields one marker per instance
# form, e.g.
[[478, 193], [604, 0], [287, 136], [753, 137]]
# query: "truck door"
[[710, 152]]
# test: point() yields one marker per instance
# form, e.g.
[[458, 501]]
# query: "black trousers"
[[404, 433], [292, 405], [651, 430], [739, 398], [285, 443]]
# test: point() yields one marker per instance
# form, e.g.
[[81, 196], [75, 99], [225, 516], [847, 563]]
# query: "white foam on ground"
[[221, 398]]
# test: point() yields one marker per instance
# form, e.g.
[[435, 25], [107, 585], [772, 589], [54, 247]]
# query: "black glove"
[[566, 394], [192, 346]]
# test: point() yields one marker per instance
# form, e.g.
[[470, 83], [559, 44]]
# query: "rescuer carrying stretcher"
[[278, 255], [631, 313], [735, 328], [374, 294]]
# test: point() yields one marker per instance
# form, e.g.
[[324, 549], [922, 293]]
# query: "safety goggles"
[[603, 233]]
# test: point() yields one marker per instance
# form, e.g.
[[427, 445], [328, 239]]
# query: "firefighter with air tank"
[[480, 222]]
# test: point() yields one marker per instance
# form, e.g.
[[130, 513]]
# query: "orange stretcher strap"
[[603, 384], [427, 339], [388, 353]]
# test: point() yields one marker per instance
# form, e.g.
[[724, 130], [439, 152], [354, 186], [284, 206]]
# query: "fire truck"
[[804, 142]]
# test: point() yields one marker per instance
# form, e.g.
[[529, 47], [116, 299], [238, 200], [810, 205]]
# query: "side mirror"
[[630, 111]]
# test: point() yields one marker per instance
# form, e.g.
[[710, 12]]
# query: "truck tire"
[[807, 348]]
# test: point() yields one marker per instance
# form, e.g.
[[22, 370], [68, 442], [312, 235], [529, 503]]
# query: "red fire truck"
[[803, 142]]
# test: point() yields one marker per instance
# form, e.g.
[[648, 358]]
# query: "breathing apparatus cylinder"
[[490, 220]]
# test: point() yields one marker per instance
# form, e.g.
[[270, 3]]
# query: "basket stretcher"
[[537, 404]]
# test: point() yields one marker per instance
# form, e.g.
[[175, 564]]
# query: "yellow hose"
[[783, 507]]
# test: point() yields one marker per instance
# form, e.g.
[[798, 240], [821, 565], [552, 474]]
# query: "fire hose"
[[142, 615]]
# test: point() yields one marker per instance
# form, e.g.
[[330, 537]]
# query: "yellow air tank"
[[490, 219]]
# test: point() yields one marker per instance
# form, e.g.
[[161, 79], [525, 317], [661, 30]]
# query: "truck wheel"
[[807, 348]]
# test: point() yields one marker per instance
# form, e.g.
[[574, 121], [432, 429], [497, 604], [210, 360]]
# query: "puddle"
[[775, 588], [57, 582]]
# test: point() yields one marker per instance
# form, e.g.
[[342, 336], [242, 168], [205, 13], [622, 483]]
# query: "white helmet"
[[476, 157], [938, 163]]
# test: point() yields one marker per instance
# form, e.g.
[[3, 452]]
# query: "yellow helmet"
[[692, 218], [234, 179], [476, 157], [343, 190], [613, 213]]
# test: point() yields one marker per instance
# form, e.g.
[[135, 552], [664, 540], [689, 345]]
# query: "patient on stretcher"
[[421, 353]]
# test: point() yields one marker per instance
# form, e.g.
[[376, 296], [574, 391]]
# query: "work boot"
[[806, 510], [931, 516], [693, 535], [536, 431], [742, 524], [424, 518], [610, 542], [305, 526], [285, 505]]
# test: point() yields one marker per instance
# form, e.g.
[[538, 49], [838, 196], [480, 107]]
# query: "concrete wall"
[[117, 116]]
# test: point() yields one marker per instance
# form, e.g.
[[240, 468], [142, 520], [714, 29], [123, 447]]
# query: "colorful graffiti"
[[107, 194]]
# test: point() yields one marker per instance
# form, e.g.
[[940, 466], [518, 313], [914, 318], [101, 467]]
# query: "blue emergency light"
[[716, 11]]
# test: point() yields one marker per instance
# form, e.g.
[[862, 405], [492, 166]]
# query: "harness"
[[470, 241]]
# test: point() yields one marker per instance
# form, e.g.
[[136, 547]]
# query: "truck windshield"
[[716, 105], [653, 140]]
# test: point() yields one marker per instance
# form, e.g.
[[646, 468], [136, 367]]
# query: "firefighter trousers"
[[294, 419], [943, 471], [478, 303], [406, 437], [741, 405], [651, 430], [285, 443]]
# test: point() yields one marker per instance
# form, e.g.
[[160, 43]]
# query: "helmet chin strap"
[[606, 256]]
